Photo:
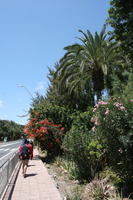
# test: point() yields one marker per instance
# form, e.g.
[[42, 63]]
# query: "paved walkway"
[[38, 185]]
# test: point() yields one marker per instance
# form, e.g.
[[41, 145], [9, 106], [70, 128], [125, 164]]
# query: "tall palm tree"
[[63, 96], [88, 63]]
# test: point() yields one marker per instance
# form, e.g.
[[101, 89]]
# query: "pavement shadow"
[[30, 165], [28, 175], [36, 157], [48, 159]]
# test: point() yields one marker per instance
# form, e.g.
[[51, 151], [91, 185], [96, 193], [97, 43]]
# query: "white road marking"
[[5, 155], [14, 149], [9, 144], [1, 149], [6, 149]]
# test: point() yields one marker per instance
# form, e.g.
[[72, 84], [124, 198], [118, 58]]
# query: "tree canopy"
[[10, 129], [121, 20]]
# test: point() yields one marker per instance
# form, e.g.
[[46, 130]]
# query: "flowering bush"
[[53, 113], [113, 126], [48, 134]]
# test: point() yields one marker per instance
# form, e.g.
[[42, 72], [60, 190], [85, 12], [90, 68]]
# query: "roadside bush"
[[48, 134], [76, 193], [53, 113], [99, 190], [80, 145], [113, 125], [48, 124]]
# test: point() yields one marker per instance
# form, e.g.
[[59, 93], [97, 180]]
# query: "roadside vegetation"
[[10, 130], [85, 121]]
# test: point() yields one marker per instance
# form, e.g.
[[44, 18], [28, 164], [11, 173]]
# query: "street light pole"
[[22, 86]]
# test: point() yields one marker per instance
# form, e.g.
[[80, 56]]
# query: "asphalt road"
[[7, 149]]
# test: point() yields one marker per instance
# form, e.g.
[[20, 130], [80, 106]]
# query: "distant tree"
[[10, 129]]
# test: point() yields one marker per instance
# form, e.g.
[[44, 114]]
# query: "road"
[[7, 149]]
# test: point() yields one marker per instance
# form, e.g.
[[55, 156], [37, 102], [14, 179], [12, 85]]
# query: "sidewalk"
[[37, 185]]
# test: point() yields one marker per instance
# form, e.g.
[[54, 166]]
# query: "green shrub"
[[77, 145], [75, 194], [112, 176], [53, 113], [113, 125], [99, 190]]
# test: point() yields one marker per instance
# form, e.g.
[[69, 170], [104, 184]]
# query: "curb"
[[10, 186]]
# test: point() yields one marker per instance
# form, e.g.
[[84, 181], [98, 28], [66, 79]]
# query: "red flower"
[[33, 119], [43, 129], [37, 131]]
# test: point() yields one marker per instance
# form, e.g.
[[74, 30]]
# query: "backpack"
[[24, 152]]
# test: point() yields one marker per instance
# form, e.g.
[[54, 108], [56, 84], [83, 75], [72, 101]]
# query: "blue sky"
[[33, 34]]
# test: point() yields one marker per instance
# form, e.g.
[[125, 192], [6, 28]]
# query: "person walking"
[[24, 155], [30, 148], [22, 140]]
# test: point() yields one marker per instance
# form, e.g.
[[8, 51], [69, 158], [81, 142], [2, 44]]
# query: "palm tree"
[[88, 63], [62, 96]]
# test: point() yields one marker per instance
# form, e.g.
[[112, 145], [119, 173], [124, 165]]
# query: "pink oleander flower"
[[107, 112], [102, 102], [118, 105], [93, 128], [96, 121], [131, 100], [122, 108], [94, 110], [93, 119], [96, 105]]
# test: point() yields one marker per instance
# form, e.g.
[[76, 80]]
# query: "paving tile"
[[38, 185]]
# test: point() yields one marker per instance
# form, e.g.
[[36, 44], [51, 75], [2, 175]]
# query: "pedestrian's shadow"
[[28, 175], [30, 165]]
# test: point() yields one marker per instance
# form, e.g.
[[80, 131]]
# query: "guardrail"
[[6, 171]]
